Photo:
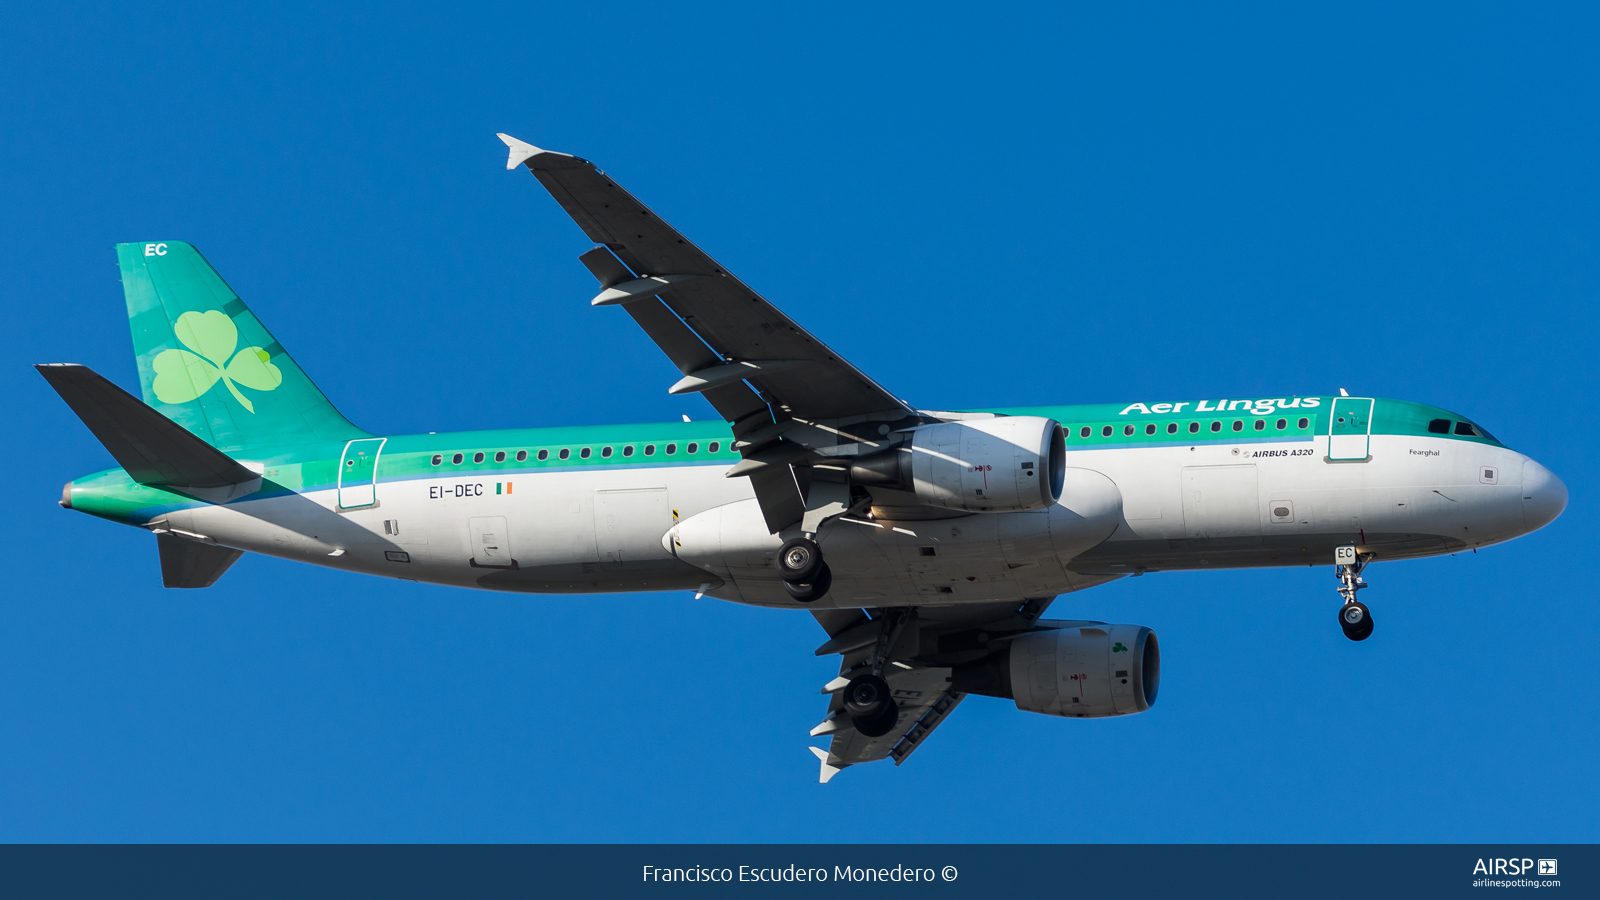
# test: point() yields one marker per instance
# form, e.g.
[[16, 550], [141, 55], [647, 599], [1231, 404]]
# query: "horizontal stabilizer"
[[192, 564], [152, 448]]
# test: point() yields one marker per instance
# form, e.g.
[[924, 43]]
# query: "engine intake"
[[1080, 670], [1005, 464]]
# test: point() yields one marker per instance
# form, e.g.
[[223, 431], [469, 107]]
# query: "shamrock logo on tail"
[[182, 376]]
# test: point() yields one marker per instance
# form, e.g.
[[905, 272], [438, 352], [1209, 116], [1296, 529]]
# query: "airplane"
[[927, 543]]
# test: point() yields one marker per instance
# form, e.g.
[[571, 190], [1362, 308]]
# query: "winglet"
[[827, 770], [521, 152]]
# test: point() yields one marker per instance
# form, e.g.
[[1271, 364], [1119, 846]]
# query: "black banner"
[[1119, 871]]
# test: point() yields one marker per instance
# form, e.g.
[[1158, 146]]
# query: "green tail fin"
[[208, 364]]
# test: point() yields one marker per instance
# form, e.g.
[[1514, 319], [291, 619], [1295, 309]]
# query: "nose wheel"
[[1356, 620], [1354, 617]]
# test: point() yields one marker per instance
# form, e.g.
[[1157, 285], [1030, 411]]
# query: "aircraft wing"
[[720, 333], [921, 691], [924, 698]]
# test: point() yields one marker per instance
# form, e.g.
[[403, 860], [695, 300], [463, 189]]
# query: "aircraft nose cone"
[[1543, 495]]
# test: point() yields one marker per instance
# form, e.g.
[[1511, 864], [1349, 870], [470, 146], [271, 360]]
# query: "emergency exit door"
[[358, 473], [1350, 428]]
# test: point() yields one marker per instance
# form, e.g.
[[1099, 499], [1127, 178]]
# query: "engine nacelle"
[[1004, 464], [1071, 669]]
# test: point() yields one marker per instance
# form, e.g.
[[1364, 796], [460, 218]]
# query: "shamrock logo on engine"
[[182, 375]]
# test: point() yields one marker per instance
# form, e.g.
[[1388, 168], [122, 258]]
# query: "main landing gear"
[[805, 576], [867, 698], [1354, 617]]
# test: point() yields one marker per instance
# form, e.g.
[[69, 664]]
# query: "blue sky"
[[978, 206]]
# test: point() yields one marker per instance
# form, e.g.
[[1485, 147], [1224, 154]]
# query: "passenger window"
[[1084, 432], [438, 458], [477, 457], [564, 453], [1238, 425], [1282, 424], [1439, 426], [1127, 429], [1216, 426], [693, 448], [1261, 424], [627, 451], [584, 453], [605, 453], [1194, 427], [1465, 428], [455, 460], [522, 456], [499, 456], [1172, 428], [544, 455], [1150, 429], [671, 449], [715, 445], [1106, 431], [649, 449], [1304, 422]]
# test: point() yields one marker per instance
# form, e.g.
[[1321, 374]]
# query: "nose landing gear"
[[1354, 617]]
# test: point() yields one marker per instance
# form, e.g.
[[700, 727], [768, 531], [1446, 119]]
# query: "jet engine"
[[1004, 464], [1078, 669]]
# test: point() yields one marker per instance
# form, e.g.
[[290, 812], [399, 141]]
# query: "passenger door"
[[358, 473], [1350, 428]]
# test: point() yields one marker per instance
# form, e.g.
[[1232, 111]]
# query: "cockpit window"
[[1467, 429], [1439, 426]]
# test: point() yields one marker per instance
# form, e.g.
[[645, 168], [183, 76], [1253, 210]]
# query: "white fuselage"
[[1122, 511]]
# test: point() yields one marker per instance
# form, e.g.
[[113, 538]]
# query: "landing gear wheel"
[[798, 560], [1356, 620], [817, 587], [880, 726], [871, 705]]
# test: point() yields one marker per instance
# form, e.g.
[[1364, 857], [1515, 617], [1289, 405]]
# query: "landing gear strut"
[[1354, 617], [805, 576], [867, 698]]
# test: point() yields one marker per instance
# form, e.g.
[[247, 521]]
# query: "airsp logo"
[[155, 249], [1547, 867], [182, 376]]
